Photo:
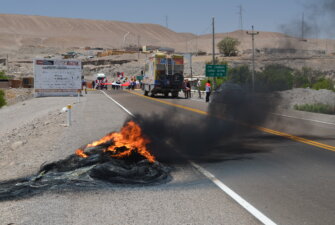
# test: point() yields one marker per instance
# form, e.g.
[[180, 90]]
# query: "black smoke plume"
[[224, 134], [315, 20]]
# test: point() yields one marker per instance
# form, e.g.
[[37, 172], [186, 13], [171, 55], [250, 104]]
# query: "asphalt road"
[[189, 198], [289, 181]]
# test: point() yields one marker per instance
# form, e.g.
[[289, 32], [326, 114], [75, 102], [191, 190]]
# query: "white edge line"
[[121, 106], [293, 117], [252, 210]]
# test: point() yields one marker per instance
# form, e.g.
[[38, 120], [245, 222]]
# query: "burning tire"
[[119, 157]]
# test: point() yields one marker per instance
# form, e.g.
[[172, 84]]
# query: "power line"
[[196, 38], [207, 29], [303, 27]]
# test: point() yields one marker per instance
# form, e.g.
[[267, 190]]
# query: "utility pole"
[[241, 17], [213, 45], [253, 33], [302, 27], [213, 41], [167, 21], [191, 65], [196, 44], [7, 64], [138, 47]]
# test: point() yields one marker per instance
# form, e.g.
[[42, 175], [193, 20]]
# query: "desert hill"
[[23, 30], [19, 31]]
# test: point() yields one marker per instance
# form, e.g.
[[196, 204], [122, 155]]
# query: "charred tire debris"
[[99, 169]]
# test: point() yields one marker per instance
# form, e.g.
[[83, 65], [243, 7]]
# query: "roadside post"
[[69, 107], [213, 48], [78, 96]]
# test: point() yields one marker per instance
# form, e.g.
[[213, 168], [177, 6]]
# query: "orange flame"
[[129, 137], [81, 153]]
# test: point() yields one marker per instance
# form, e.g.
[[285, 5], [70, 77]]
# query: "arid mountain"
[[19, 31]]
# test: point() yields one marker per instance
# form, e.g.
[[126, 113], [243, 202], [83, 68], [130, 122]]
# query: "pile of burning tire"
[[118, 158]]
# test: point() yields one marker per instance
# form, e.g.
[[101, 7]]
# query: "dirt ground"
[[15, 95]]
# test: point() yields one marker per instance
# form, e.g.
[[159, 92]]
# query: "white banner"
[[57, 77]]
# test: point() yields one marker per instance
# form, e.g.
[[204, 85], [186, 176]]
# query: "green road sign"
[[139, 77], [216, 70]]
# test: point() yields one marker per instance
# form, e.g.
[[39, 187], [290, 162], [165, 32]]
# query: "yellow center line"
[[266, 130], [172, 104]]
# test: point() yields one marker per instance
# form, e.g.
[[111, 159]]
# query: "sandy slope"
[[63, 32], [21, 30]]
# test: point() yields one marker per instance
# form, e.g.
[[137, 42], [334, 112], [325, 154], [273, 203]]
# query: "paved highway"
[[271, 175], [285, 171], [189, 198]]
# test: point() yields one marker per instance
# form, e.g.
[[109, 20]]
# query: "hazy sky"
[[183, 15]]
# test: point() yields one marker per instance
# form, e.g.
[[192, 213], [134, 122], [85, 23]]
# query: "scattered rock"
[[15, 95], [300, 96], [17, 144]]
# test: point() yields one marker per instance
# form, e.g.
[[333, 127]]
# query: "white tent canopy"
[[101, 75]]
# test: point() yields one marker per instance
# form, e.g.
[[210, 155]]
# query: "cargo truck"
[[163, 74]]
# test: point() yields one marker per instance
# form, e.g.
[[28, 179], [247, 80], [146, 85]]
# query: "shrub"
[[317, 108], [274, 78], [323, 83], [240, 75], [228, 46], [2, 98], [3, 75], [301, 81]]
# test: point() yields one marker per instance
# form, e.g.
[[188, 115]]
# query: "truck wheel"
[[175, 94], [166, 94], [146, 93]]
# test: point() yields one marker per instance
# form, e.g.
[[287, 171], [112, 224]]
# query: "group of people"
[[133, 83], [187, 89]]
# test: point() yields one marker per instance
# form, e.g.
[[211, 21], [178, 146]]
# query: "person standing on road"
[[198, 87], [188, 89], [208, 90], [184, 88], [93, 84], [84, 85]]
